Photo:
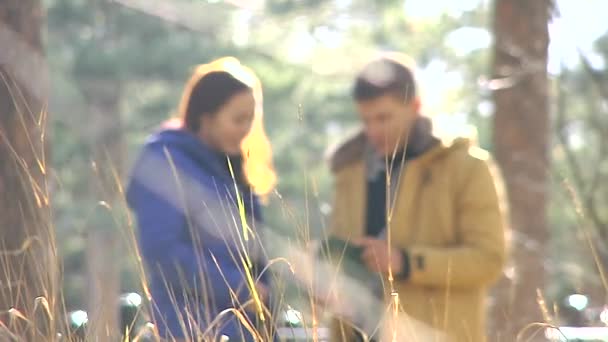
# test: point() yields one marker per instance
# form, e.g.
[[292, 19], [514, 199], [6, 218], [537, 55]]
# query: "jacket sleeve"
[[479, 257], [164, 243]]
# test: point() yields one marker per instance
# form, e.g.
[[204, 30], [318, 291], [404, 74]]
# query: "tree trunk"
[[103, 285], [521, 142], [103, 252], [28, 269]]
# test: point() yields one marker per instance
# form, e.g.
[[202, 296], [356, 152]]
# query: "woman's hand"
[[262, 291]]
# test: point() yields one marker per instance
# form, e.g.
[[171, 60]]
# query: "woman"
[[194, 190]]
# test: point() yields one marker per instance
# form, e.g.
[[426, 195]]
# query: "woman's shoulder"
[[176, 148], [166, 156]]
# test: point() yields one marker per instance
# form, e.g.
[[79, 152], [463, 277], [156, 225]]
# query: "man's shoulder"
[[468, 161], [347, 151], [462, 158], [464, 150]]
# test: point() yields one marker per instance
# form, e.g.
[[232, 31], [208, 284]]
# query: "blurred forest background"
[[116, 69]]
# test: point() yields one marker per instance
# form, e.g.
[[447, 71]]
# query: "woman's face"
[[225, 129]]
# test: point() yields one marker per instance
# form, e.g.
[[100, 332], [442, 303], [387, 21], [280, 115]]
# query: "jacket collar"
[[421, 142]]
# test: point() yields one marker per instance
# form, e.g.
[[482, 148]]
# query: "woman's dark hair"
[[206, 94], [210, 87]]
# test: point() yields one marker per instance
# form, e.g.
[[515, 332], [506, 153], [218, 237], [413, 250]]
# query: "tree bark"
[[521, 143], [28, 268], [103, 247]]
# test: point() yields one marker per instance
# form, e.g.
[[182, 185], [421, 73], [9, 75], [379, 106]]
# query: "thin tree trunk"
[[106, 145], [521, 140], [28, 268], [102, 94], [103, 285]]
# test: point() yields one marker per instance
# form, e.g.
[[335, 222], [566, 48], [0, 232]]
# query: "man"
[[425, 212]]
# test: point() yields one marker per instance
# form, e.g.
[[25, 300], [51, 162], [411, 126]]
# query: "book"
[[335, 247]]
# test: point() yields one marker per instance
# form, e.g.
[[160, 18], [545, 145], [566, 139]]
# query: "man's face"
[[387, 121]]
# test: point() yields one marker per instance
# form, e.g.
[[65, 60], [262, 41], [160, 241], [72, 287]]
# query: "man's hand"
[[376, 256]]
